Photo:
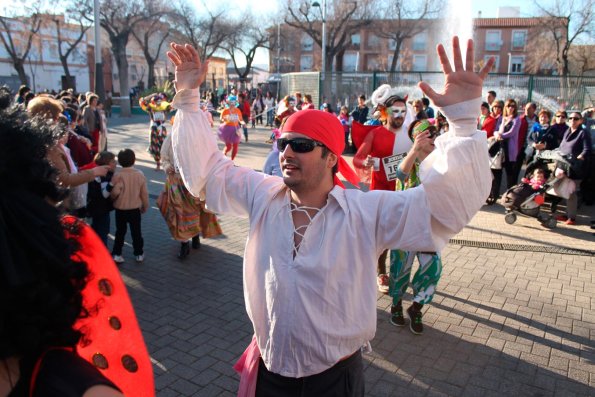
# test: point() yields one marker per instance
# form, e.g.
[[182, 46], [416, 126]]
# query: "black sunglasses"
[[574, 118], [298, 145]]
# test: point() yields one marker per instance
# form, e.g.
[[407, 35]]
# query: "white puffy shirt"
[[310, 311]]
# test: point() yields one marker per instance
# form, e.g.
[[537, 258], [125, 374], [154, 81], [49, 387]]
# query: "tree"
[[404, 20], [582, 59], [343, 18], [18, 40], [206, 33], [242, 46], [567, 23], [151, 34], [80, 11], [119, 18]]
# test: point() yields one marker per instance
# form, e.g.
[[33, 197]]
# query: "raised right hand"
[[190, 71]]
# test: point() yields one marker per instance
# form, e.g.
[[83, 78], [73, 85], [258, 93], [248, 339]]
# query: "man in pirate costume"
[[308, 283]]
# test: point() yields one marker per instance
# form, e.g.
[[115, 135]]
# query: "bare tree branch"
[[76, 10], [404, 20], [18, 42], [246, 41], [119, 18], [567, 22], [343, 19], [206, 33]]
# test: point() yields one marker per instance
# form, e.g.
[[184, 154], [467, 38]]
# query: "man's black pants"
[[123, 218], [344, 379]]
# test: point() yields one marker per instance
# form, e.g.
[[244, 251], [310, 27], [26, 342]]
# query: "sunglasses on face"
[[574, 118], [511, 106], [298, 145]]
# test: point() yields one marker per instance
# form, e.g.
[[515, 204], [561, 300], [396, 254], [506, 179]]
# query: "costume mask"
[[397, 111]]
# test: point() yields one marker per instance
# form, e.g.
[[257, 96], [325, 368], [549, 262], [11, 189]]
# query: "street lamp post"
[[509, 70], [323, 12], [99, 88]]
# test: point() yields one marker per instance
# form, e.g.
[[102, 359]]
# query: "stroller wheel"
[[510, 218], [543, 218], [551, 223]]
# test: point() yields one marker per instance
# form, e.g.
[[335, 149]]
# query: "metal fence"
[[550, 92]]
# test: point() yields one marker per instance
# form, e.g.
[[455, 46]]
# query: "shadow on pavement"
[[438, 363], [587, 353]]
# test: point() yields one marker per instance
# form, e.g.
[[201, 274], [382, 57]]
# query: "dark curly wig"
[[40, 285]]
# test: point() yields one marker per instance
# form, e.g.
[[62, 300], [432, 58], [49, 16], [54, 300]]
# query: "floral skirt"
[[158, 134], [185, 214]]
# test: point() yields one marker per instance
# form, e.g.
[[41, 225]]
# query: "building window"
[[493, 40], [350, 62], [517, 64], [419, 63], [373, 41], [519, 39], [496, 63], [420, 41], [307, 43], [355, 39], [306, 63]]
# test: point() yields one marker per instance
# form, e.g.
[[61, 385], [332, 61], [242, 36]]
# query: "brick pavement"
[[502, 322]]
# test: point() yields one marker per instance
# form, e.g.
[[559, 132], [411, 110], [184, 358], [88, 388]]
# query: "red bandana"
[[324, 128]]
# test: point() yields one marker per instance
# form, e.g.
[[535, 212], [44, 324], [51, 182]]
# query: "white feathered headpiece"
[[384, 93]]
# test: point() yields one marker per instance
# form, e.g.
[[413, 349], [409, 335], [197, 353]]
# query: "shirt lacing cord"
[[301, 231]]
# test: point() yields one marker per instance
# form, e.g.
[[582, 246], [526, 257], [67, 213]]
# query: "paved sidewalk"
[[503, 323]]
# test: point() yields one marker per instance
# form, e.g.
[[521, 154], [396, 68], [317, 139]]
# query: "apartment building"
[[504, 38], [42, 65]]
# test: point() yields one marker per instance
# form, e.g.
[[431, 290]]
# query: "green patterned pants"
[[424, 281]]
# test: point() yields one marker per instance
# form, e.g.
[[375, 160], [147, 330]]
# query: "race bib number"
[[233, 118], [391, 164], [159, 116]]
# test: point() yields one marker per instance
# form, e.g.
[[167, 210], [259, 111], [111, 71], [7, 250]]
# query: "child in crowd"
[[344, 119], [99, 203], [537, 179], [131, 199]]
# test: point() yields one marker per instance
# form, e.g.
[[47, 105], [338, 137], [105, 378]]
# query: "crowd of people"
[[294, 276]]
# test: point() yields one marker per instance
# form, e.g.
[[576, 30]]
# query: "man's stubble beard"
[[396, 123]]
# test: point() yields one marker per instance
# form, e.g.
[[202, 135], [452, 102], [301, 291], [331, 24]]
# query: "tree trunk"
[[151, 74], [119, 50], [19, 66], [64, 62], [396, 53]]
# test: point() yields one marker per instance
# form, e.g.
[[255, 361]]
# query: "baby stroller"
[[524, 199]]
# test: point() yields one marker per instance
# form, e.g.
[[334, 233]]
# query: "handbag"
[[497, 160], [494, 147]]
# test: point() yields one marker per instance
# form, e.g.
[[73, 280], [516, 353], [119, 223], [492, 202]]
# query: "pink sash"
[[247, 367]]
